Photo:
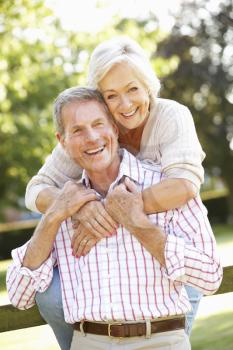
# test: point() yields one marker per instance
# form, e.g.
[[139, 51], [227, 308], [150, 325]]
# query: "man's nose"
[[92, 135]]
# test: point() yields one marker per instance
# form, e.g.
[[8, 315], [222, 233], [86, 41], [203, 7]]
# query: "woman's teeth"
[[130, 114]]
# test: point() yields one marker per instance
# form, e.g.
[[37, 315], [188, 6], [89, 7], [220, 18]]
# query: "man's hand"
[[95, 219], [125, 205], [71, 198], [82, 241]]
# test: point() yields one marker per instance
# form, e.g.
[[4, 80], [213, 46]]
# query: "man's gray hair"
[[79, 94]]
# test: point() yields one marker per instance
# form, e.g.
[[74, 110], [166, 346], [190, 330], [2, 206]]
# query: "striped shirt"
[[119, 279], [169, 138]]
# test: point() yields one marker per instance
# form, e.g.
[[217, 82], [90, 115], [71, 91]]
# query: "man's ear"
[[60, 139], [115, 128]]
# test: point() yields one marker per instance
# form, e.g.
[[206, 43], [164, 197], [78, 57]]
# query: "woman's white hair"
[[122, 49]]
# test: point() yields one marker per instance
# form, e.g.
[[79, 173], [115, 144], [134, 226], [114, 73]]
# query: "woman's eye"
[[134, 88]]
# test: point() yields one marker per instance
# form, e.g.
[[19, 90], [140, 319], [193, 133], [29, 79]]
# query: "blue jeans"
[[50, 307], [194, 298]]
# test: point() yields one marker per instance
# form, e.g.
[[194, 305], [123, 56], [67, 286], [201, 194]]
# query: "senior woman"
[[151, 128]]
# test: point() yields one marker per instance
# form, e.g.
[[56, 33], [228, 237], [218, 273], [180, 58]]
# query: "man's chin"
[[100, 166]]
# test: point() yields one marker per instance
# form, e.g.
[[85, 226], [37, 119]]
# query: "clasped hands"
[[96, 219]]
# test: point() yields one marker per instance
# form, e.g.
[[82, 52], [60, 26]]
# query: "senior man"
[[128, 291]]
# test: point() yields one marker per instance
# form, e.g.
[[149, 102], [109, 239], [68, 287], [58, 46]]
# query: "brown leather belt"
[[121, 330]]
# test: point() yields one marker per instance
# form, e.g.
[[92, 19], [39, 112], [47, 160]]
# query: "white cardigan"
[[169, 137]]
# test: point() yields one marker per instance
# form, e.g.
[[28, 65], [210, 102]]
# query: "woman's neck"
[[131, 139]]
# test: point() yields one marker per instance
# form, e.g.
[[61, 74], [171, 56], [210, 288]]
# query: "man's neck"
[[101, 181]]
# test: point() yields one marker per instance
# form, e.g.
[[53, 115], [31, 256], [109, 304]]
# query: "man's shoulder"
[[152, 170]]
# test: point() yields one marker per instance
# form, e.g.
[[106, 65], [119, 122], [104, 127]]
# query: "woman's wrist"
[[46, 198]]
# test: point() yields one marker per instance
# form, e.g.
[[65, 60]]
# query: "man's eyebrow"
[[76, 127]]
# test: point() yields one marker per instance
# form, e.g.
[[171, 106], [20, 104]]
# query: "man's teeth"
[[129, 114], [96, 150]]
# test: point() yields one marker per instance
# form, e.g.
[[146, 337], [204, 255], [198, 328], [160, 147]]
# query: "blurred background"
[[45, 47]]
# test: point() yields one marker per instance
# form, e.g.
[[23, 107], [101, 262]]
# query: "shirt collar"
[[130, 167]]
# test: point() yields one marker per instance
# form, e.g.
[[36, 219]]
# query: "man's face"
[[90, 138]]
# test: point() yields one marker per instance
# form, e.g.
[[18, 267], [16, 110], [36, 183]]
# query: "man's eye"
[[110, 97]]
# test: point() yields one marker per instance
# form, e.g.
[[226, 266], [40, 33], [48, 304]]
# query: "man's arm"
[[189, 255], [32, 266], [69, 201]]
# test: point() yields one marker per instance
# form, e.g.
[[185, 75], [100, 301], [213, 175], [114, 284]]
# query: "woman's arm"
[[43, 187], [168, 194], [172, 142]]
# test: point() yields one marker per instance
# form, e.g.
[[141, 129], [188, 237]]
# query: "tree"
[[201, 48], [34, 67], [38, 59]]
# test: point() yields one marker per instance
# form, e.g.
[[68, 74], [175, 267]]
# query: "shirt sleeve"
[[190, 252], [23, 283], [180, 150], [57, 170]]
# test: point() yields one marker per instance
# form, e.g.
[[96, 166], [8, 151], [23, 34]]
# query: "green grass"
[[212, 330], [213, 333]]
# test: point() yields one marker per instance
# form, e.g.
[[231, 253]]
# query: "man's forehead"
[[84, 106], [82, 111]]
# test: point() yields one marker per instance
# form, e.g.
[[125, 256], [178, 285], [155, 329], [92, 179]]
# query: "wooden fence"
[[12, 318]]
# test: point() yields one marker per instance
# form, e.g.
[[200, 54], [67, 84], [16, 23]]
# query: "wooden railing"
[[12, 318], [8, 227]]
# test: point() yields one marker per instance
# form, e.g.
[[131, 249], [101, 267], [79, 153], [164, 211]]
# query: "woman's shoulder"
[[166, 110], [164, 105]]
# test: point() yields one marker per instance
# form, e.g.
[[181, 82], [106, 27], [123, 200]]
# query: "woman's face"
[[126, 97]]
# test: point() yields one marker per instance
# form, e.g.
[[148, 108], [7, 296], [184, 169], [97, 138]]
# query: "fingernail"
[[77, 256], [73, 254]]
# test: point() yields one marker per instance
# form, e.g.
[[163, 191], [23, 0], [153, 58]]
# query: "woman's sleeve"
[[180, 150], [58, 169]]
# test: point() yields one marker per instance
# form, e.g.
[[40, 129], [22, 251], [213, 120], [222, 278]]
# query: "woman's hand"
[[125, 204], [95, 219], [82, 241], [69, 200]]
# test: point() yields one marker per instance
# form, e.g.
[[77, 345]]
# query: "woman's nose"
[[125, 102]]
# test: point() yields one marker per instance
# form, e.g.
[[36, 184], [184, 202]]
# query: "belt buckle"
[[109, 330]]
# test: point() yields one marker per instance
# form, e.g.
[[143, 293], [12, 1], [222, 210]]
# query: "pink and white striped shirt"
[[119, 279]]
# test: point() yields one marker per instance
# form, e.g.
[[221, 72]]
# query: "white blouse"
[[169, 138]]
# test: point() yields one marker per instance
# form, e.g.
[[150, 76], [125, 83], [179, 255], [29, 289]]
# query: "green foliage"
[[201, 44], [38, 59]]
